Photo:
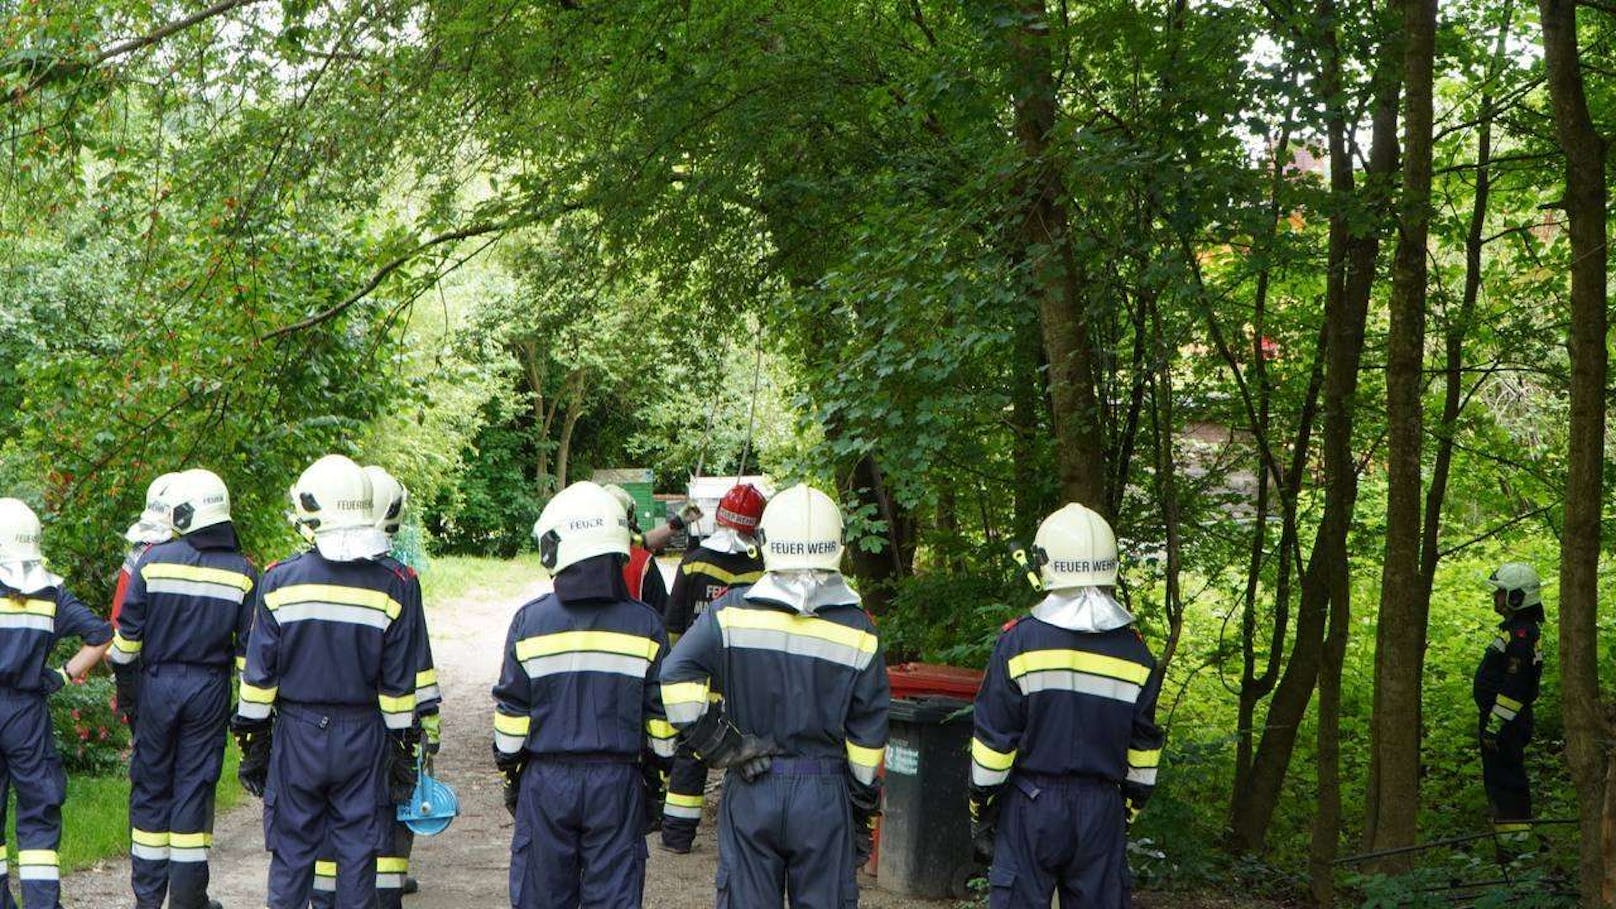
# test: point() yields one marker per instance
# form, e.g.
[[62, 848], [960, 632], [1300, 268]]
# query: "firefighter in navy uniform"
[[1506, 684], [326, 721], [1066, 746], [729, 559], [35, 613], [579, 730], [803, 724], [182, 628], [152, 528], [393, 880]]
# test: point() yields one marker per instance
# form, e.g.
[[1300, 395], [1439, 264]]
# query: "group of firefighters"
[[615, 699]]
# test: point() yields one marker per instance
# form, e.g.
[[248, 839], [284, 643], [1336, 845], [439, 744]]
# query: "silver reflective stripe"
[[332, 612], [587, 661], [389, 881], [685, 714], [681, 811], [39, 873], [149, 853], [797, 645], [3, 870], [188, 855], [1503, 713], [184, 588], [507, 743], [1145, 776], [323, 884], [249, 710], [1080, 682], [863, 774], [119, 658], [29, 622], [429, 693], [982, 776], [663, 747], [399, 720]]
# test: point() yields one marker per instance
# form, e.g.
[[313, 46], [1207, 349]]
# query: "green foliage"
[[90, 735]]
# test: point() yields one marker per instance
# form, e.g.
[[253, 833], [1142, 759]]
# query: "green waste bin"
[[925, 822]]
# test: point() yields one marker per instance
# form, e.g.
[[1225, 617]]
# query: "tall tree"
[[1395, 730], [1587, 731]]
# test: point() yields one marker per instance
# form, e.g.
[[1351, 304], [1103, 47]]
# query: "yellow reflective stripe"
[[720, 575], [241, 664], [151, 838], [587, 641], [335, 594], [1077, 661], [1510, 703], [403, 703], [392, 865], [218, 576], [37, 857], [255, 695], [660, 729], [426, 678], [1511, 827], [512, 725], [793, 623], [865, 757], [325, 869], [1144, 758], [685, 693], [190, 840], [680, 800], [27, 607], [990, 758], [124, 645]]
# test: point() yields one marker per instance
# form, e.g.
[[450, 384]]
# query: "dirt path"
[[465, 868]]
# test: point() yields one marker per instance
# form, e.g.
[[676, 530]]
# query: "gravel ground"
[[464, 868]]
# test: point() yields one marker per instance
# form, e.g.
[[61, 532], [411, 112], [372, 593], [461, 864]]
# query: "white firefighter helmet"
[[196, 499], [1522, 587], [333, 499], [19, 533], [1075, 547], [624, 499], [389, 498], [154, 526], [582, 521], [801, 530]]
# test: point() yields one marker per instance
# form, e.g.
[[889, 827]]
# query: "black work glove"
[[400, 764], [127, 686], [654, 775], [511, 767], [55, 680], [984, 821], [1489, 740], [865, 801], [719, 744], [254, 738]]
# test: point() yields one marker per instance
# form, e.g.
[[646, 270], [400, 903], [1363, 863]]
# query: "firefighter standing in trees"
[[1506, 684]]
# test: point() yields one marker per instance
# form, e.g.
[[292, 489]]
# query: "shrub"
[[89, 733]]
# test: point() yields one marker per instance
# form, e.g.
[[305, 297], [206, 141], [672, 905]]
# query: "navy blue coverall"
[[817, 685], [578, 696], [393, 864], [183, 625], [1066, 743], [1505, 686], [333, 657], [30, 626], [703, 576]]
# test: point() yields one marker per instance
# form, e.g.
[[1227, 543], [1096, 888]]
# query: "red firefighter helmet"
[[740, 508]]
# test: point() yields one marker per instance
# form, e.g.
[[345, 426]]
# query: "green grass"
[[449, 578], [95, 820]]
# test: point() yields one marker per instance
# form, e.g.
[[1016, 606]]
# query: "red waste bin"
[[917, 684]]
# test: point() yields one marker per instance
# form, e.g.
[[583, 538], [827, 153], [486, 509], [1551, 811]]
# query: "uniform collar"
[[214, 537], [727, 539], [593, 579]]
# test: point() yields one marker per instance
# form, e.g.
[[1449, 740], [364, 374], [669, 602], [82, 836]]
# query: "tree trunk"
[[1585, 204], [879, 572], [1354, 246], [1047, 246], [575, 409], [1392, 807], [1026, 401]]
